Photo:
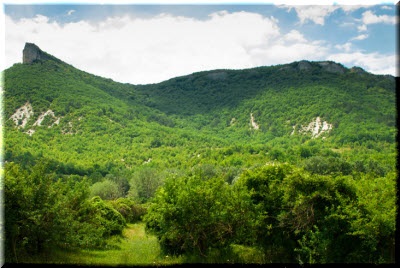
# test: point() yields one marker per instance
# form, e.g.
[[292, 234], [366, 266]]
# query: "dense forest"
[[295, 163]]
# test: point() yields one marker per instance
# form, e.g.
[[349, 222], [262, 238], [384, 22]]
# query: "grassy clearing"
[[135, 247]]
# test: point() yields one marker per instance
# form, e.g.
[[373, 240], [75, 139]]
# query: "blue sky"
[[137, 43]]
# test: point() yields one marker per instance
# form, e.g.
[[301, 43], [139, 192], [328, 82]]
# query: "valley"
[[297, 161]]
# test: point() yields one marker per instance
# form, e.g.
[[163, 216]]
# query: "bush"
[[194, 216], [144, 183], [131, 211], [103, 216], [106, 190]]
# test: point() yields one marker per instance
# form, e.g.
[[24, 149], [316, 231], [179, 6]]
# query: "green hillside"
[[125, 142]]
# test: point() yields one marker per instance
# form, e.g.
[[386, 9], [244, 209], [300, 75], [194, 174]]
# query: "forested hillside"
[[297, 161]]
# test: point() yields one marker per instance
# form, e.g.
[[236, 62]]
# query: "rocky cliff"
[[32, 53]]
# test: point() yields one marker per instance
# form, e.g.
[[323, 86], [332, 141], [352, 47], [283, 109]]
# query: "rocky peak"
[[32, 53]]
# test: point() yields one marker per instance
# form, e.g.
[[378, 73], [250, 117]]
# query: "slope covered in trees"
[[288, 159]]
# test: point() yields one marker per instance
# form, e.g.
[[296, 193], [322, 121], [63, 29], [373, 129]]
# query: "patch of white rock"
[[22, 115], [25, 112], [43, 115], [254, 125], [316, 127]]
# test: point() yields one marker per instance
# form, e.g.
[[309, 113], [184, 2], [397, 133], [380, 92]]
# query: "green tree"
[[264, 184], [336, 220], [131, 211], [42, 211], [31, 205], [102, 216], [106, 190], [144, 183], [193, 216]]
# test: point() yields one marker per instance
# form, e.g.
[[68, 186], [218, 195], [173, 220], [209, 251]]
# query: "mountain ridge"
[[255, 107], [32, 53]]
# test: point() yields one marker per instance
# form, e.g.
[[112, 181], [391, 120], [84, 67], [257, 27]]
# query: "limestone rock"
[[358, 70], [316, 127], [332, 67], [304, 65], [32, 53], [219, 75], [22, 115]]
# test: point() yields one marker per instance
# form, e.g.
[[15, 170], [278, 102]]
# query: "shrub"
[[106, 190], [131, 211]]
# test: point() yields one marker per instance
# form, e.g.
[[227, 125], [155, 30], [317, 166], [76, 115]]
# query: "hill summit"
[[228, 117], [32, 53]]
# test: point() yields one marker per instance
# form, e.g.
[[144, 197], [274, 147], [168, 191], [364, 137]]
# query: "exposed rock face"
[[332, 67], [358, 70], [33, 53], [22, 115], [254, 125], [25, 112], [328, 66], [38, 122], [217, 75], [304, 65], [316, 128]]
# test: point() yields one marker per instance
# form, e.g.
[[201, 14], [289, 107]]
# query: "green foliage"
[[144, 183], [30, 206], [193, 216], [102, 216], [327, 165], [131, 211], [44, 212], [333, 200], [322, 219], [105, 190], [374, 219], [315, 216], [265, 187]]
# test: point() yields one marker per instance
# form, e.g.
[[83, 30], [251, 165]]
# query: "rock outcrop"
[[304, 65], [22, 115], [219, 75], [253, 123], [358, 70], [32, 53], [316, 128], [332, 67]]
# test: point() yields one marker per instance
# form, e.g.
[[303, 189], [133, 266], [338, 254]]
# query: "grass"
[[135, 247]]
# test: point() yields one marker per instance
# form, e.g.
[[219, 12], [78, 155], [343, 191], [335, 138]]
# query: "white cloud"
[[281, 52], [294, 36], [360, 37], [150, 50], [370, 18], [362, 28], [315, 13], [146, 50], [346, 47], [349, 8]]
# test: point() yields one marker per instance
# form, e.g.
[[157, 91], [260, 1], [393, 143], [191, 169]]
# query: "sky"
[[152, 41]]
